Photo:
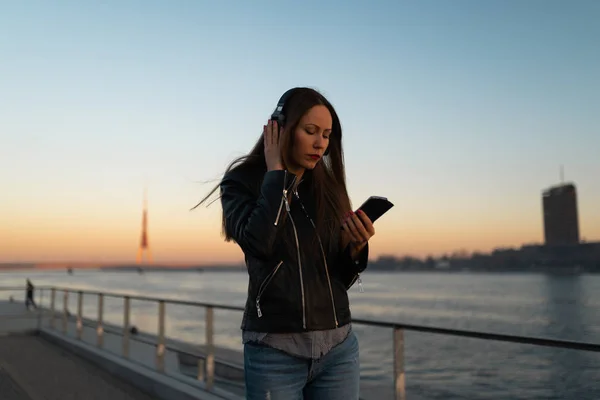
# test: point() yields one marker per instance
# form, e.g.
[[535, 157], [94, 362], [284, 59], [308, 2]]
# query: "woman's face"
[[311, 139]]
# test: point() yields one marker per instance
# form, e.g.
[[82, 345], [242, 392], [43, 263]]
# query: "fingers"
[[366, 222], [273, 153], [360, 228], [271, 133], [274, 132], [351, 228]]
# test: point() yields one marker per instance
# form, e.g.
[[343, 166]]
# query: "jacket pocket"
[[263, 286]]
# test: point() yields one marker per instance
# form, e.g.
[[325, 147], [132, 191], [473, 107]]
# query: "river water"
[[437, 366]]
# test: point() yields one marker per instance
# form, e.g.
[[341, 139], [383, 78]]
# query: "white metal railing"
[[206, 368]]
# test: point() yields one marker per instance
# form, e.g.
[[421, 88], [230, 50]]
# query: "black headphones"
[[278, 113]]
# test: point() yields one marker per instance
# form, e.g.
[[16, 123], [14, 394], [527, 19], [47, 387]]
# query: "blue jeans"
[[272, 374]]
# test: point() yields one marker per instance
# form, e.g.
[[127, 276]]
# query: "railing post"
[[41, 298], [160, 344], [39, 308], [126, 312], [399, 382], [79, 314], [65, 311], [201, 364], [52, 297], [209, 363], [100, 329]]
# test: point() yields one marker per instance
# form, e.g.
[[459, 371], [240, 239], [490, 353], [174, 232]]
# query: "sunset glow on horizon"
[[194, 237], [460, 118]]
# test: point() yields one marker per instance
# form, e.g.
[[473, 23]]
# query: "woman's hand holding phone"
[[271, 135], [357, 229]]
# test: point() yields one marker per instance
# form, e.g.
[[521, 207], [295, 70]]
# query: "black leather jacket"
[[293, 287]]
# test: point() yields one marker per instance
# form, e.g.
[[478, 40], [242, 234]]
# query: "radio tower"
[[144, 239]]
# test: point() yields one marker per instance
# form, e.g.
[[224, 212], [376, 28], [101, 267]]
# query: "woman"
[[286, 205]]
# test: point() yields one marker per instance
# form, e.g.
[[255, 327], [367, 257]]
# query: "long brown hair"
[[328, 178]]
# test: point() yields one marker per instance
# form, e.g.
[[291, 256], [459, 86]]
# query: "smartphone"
[[375, 207]]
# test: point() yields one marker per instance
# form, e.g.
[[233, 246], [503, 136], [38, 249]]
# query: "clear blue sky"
[[460, 112]]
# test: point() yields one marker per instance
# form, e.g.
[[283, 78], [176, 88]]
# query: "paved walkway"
[[41, 371], [14, 318], [20, 325], [33, 369]]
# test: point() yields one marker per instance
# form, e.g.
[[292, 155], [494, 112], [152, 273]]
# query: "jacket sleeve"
[[348, 268], [251, 221]]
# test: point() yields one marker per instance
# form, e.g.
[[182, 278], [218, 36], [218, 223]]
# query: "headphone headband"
[[277, 114]]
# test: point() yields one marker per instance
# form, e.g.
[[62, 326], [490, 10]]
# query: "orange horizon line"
[[74, 264], [89, 264]]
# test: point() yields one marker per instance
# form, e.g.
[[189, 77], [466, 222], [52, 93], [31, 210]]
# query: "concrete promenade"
[[40, 363], [31, 368]]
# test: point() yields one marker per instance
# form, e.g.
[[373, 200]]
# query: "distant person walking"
[[286, 205], [29, 298]]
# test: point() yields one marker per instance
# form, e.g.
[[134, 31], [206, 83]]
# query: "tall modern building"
[[561, 221]]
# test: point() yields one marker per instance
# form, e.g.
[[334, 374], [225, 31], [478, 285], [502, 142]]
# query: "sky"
[[459, 112]]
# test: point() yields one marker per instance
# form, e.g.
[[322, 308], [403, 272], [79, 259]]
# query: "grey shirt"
[[312, 345]]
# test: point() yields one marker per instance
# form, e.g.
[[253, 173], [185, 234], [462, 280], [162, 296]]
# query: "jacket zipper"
[[284, 200], [283, 197], [324, 259], [287, 207], [279, 211], [264, 285], [360, 285]]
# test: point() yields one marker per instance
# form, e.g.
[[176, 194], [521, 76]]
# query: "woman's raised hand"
[[271, 135]]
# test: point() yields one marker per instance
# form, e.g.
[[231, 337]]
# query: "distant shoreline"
[[228, 269]]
